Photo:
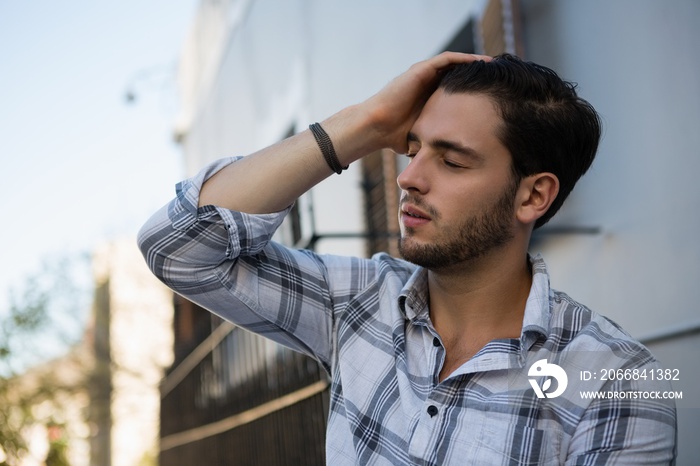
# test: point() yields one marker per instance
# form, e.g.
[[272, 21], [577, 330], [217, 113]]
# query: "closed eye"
[[452, 164]]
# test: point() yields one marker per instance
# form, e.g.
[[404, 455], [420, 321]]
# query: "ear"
[[535, 194]]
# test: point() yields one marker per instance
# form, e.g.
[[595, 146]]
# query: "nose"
[[414, 177]]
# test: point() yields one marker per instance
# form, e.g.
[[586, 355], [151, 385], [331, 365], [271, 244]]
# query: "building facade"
[[131, 341], [255, 71]]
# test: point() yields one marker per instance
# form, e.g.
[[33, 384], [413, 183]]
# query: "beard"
[[468, 240]]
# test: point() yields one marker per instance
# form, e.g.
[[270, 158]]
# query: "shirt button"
[[432, 410], [436, 341]]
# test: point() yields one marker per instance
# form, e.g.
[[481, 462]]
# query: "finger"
[[446, 59]]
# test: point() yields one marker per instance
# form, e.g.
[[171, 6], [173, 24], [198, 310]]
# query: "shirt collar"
[[413, 300], [538, 309]]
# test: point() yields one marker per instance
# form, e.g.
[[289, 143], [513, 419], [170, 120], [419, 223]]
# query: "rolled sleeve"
[[249, 240], [206, 235]]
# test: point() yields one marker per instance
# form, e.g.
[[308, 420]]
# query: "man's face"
[[458, 190]]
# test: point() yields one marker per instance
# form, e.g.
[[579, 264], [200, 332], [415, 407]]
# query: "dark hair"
[[547, 126]]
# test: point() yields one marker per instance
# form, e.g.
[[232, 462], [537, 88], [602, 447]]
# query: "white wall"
[[638, 63]]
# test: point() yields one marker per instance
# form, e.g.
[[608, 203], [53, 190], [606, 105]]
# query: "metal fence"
[[234, 398]]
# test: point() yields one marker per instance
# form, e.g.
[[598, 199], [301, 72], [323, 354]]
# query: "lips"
[[414, 212], [413, 217]]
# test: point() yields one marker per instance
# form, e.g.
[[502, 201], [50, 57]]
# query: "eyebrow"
[[447, 145]]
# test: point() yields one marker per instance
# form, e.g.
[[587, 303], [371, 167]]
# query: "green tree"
[[41, 321]]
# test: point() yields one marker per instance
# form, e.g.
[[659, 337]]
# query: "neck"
[[484, 298]]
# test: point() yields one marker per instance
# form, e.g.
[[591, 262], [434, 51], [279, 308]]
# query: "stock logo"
[[549, 371]]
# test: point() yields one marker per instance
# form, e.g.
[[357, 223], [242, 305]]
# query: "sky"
[[80, 164]]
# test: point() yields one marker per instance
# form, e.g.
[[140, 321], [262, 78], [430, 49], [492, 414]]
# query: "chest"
[[390, 405], [383, 417]]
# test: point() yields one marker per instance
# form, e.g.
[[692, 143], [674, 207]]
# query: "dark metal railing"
[[238, 398]]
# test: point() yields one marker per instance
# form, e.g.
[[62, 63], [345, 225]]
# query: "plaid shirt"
[[367, 322]]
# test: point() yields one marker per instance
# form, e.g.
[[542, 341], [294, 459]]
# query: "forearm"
[[273, 178]]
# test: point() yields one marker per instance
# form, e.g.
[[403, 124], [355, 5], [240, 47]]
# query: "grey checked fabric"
[[367, 322]]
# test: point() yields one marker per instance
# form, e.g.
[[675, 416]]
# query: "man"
[[447, 356]]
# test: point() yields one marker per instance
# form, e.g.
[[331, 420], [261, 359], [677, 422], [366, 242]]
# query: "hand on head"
[[395, 108]]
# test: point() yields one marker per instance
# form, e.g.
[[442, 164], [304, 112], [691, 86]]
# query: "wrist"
[[354, 134]]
